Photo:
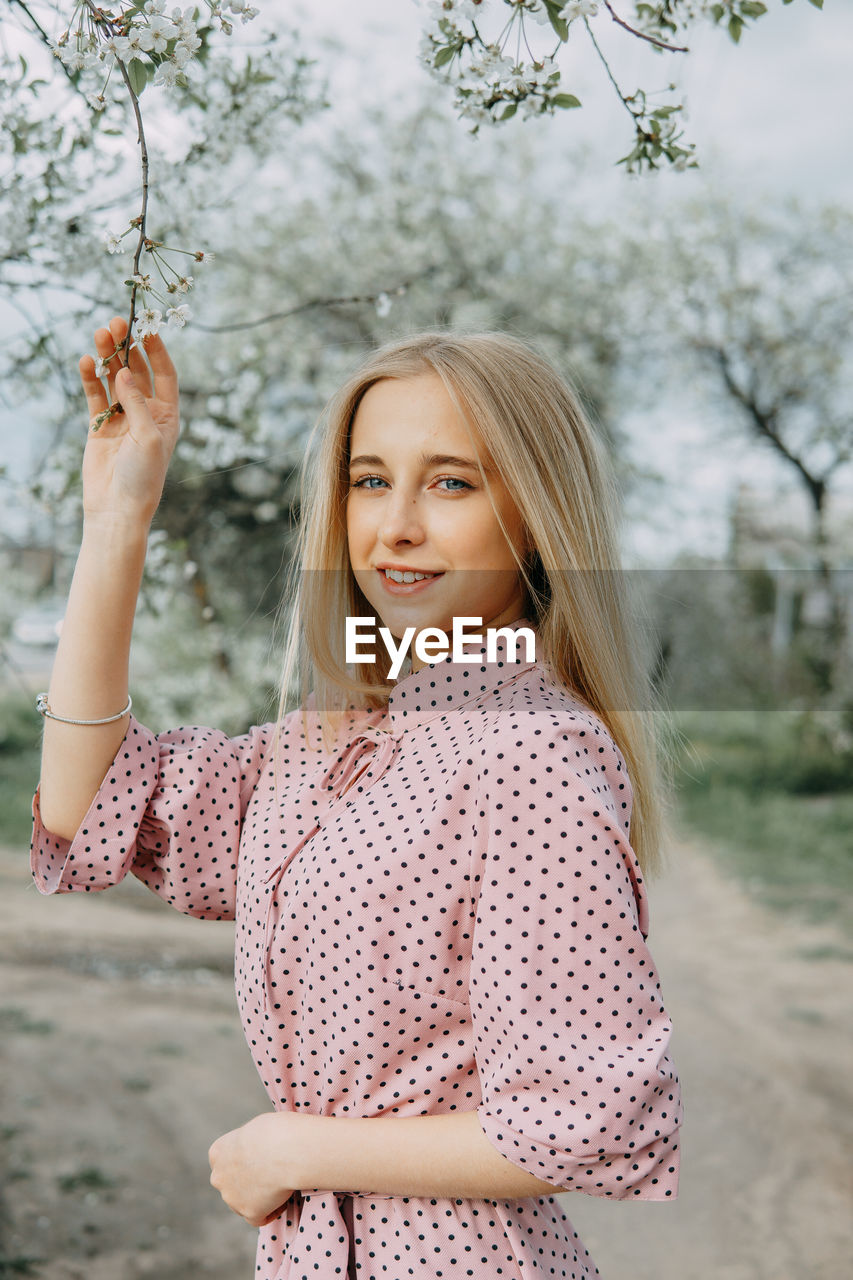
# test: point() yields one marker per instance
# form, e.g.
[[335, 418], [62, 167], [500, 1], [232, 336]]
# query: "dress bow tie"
[[357, 756]]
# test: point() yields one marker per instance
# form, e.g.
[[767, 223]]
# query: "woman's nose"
[[402, 520]]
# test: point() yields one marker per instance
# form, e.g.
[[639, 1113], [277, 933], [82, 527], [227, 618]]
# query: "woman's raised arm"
[[124, 469]]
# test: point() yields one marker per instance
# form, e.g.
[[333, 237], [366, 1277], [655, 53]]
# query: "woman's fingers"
[[165, 375], [136, 360], [105, 346], [139, 369], [93, 390], [109, 342], [134, 404]]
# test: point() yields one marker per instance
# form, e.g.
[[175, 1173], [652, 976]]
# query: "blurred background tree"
[[338, 226]]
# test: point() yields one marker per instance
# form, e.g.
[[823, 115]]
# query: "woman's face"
[[416, 503]]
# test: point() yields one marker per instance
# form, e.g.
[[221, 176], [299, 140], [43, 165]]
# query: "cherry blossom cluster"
[[496, 73], [138, 41], [501, 63], [167, 286], [161, 46]]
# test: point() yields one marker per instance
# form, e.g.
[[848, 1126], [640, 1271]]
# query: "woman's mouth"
[[407, 581]]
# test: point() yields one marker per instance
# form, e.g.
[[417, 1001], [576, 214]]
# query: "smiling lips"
[[406, 581]]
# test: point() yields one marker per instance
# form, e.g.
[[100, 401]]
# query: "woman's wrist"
[[108, 529]]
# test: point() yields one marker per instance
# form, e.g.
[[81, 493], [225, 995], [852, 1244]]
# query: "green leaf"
[[509, 111], [565, 100], [753, 8], [138, 73], [444, 56], [559, 24], [818, 4], [735, 28]]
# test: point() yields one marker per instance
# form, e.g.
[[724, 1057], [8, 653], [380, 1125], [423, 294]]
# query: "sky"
[[772, 117]]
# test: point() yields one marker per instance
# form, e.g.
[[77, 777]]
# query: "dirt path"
[[121, 1058]]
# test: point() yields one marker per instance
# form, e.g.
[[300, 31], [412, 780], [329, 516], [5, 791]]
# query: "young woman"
[[437, 880]]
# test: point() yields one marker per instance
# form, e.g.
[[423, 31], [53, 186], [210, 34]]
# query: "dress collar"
[[444, 685]]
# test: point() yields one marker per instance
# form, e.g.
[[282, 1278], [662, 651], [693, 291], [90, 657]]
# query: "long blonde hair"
[[532, 427]]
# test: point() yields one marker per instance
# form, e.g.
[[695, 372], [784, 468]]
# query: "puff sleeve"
[[170, 809], [571, 1036]]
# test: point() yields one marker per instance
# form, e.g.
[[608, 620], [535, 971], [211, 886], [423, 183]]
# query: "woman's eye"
[[454, 481]]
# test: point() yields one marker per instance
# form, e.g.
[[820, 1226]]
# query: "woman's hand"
[[127, 456], [248, 1167]]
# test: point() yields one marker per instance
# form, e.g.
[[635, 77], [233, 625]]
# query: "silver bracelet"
[[44, 709]]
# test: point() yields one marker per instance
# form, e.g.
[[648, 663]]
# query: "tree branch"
[[659, 44], [240, 325], [765, 425], [71, 77]]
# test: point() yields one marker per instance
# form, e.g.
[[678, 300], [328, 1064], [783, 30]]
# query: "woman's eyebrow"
[[425, 460]]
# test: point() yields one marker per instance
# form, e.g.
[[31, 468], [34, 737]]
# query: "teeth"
[[398, 575]]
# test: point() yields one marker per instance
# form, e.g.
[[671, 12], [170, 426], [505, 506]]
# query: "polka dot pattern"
[[441, 912]]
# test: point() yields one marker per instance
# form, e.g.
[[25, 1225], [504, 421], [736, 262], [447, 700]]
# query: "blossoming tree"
[[140, 136]]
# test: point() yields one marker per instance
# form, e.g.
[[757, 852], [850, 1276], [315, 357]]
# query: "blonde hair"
[[533, 429]]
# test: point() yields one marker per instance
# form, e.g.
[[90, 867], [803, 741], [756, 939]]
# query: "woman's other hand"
[[127, 456], [249, 1167]]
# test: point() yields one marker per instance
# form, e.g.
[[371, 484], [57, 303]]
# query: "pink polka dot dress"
[[443, 912]]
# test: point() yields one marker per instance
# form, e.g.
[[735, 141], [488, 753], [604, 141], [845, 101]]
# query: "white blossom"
[[579, 9], [184, 49], [142, 282], [185, 23], [113, 243], [538, 76], [97, 102], [453, 9], [148, 322], [202, 256], [156, 36], [101, 368], [155, 6], [178, 316], [383, 305], [167, 74], [475, 111], [135, 46], [119, 47], [73, 59]]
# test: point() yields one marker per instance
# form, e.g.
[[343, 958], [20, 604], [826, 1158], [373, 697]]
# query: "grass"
[[14, 1019], [20, 1266], [752, 785], [20, 759], [88, 1179]]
